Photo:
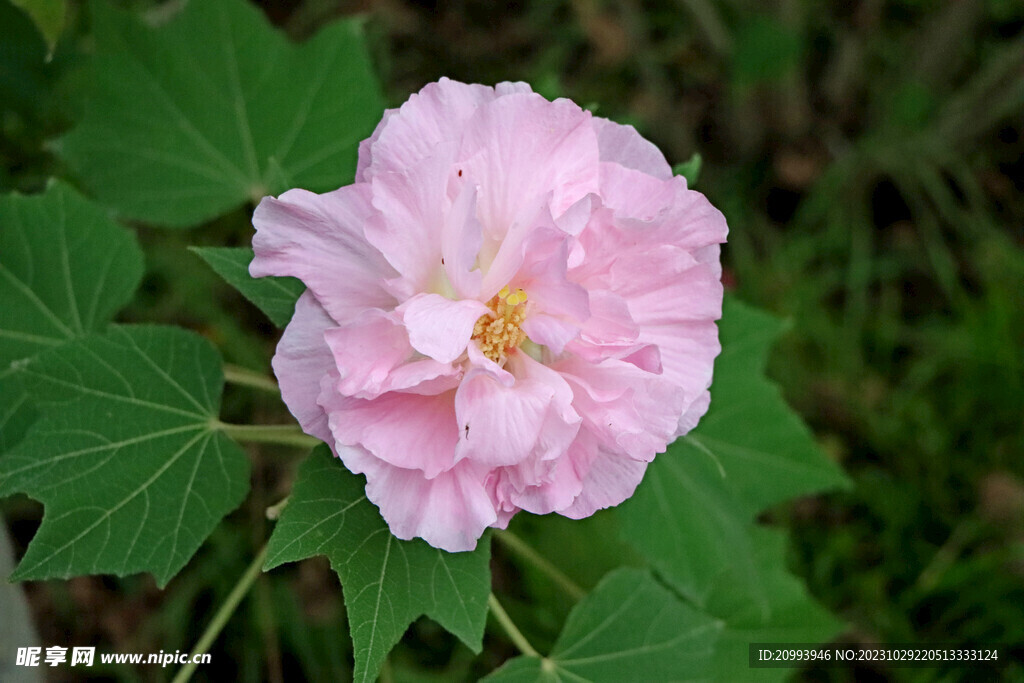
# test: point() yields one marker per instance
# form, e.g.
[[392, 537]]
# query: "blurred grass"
[[869, 157]]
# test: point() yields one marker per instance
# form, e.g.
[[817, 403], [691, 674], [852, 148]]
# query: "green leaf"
[[387, 583], [690, 169], [17, 413], [629, 629], [65, 268], [186, 121], [275, 296], [749, 452], [48, 15], [126, 456], [701, 532], [788, 615], [765, 450]]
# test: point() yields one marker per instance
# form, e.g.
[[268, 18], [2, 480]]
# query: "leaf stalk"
[[285, 435], [514, 634], [220, 619], [523, 550], [244, 377]]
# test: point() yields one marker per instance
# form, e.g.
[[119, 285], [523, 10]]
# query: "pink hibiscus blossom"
[[512, 308]]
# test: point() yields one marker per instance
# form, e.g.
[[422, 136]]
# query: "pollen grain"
[[499, 332]]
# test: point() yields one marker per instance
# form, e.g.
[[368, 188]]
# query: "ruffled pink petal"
[[664, 211], [477, 360], [434, 115], [636, 195], [610, 331], [623, 145], [425, 376], [576, 217], [711, 255], [666, 285], [498, 425], [450, 511], [372, 357], [504, 425], [319, 239], [439, 327], [688, 351], [610, 479], [538, 265], [521, 146], [461, 241], [366, 146], [411, 431], [407, 226], [520, 487], [301, 360], [694, 413], [542, 487], [628, 410], [647, 357], [562, 421], [640, 219], [366, 351], [550, 331], [502, 254], [512, 88], [559, 490], [542, 275], [596, 248]]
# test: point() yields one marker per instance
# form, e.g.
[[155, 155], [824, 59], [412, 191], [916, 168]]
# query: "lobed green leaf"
[[187, 120], [749, 452], [630, 628], [387, 583], [275, 296], [65, 269], [764, 449], [126, 456], [693, 515], [17, 413], [782, 611], [700, 531]]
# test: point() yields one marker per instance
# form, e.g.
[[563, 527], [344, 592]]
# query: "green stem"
[[235, 374], [286, 435], [220, 619], [519, 547], [514, 634]]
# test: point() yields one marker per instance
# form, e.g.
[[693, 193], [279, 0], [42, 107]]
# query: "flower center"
[[499, 333]]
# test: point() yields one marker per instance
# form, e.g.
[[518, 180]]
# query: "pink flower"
[[512, 308]]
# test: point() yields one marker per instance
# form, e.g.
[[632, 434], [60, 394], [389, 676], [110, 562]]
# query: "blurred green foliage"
[[868, 156]]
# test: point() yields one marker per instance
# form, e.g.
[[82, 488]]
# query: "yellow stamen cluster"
[[499, 332]]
